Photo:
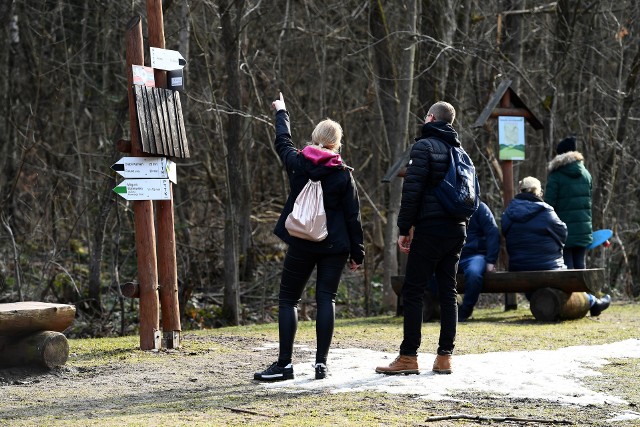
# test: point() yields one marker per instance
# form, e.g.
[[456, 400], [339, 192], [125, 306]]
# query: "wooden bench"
[[555, 294], [31, 333]]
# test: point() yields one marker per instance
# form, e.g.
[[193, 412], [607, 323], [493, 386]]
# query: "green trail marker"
[[144, 189]]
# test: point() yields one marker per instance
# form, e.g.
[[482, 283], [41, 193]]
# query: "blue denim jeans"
[[298, 266], [473, 268], [431, 255]]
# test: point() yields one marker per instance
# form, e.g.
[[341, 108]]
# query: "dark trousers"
[[298, 266], [429, 255], [575, 257]]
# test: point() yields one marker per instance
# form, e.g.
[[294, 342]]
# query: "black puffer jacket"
[[428, 164], [341, 201]]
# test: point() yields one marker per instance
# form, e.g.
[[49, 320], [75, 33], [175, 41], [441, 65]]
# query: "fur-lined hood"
[[565, 159]]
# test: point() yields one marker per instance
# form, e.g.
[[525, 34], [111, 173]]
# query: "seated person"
[[479, 255], [535, 236]]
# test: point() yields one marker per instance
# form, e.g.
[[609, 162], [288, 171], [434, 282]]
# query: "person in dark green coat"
[[569, 192]]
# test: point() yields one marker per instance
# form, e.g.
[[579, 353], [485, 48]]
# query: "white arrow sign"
[[165, 59], [144, 189], [146, 167]]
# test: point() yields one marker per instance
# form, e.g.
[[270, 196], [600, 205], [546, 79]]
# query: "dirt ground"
[[209, 382], [79, 392]]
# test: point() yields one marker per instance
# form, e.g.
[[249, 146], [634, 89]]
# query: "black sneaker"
[[321, 371], [601, 305], [275, 373]]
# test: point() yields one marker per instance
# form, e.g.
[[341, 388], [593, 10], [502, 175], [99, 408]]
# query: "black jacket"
[[341, 201], [428, 164]]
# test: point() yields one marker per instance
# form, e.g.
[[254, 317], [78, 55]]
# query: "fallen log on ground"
[[47, 349]]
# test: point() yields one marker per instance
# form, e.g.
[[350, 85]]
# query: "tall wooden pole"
[[167, 266], [510, 299], [143, 210], [507, 165]]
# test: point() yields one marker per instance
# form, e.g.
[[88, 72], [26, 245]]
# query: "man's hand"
[[278, 104], [491, 268], [404, 243]]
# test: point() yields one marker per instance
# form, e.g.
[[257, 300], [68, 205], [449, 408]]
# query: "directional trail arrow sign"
[[165, 59], [146, 167], [144, 189]]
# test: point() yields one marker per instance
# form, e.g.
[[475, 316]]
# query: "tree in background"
[[373, 66]]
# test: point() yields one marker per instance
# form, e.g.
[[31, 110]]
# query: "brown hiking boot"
[[442, 364], [402, 365]]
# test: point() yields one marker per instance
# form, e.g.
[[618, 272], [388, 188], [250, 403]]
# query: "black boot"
[[601, 305], [464, 312]]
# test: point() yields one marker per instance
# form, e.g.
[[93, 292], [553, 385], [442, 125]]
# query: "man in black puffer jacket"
[[433, 239]]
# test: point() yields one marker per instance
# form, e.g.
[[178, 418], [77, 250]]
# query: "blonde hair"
[[443, 111], [327, 134], [530, 184]]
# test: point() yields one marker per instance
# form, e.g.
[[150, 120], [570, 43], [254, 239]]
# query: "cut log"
[[20, 318], [130, 290], [551, 305], [45, 348]]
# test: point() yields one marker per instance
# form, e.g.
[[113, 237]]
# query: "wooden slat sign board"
[[161, 124]]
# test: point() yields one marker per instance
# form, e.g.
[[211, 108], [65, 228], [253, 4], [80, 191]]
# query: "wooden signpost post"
[[151, 178], [143, 210], [167, 273]]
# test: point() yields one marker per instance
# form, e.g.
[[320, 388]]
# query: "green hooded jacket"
[[569, 192]]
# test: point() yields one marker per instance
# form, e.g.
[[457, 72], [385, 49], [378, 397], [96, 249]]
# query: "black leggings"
[[298, 266]]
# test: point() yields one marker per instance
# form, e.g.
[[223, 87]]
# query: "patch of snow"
[[552, 375], [625, 416]]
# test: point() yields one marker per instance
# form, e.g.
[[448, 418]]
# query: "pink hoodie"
[[322, 157]]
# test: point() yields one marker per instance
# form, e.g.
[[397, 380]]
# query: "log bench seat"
[[555, 294], [31, 333]]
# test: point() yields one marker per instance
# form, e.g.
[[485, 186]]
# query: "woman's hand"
[[278, 104], [353, 266]]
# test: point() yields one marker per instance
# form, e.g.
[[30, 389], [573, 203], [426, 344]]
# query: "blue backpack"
[[459, 191]]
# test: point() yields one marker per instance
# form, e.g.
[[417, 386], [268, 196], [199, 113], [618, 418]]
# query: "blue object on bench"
[[599, 237]]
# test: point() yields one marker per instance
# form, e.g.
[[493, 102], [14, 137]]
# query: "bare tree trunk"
[[394, 89], [236, 179], [611, 167], [97, 246], [383, 68], [8, 134], [191, 270]]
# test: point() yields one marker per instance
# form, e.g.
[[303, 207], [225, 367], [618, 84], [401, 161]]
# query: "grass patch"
[[109, 381]]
